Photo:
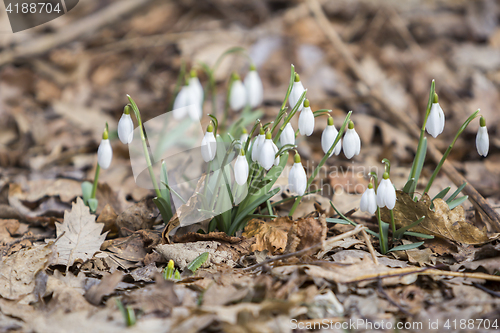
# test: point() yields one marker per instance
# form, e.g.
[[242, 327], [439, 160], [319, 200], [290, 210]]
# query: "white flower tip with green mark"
[[125, 129], [254, 89], [482, 139], [238, 96], [306, 121], [196, 89], [368, 201], [241, 170], [386, 194], [188, 102], [435, 121], [352, 142], [256, 146], [297, 178], [104, 154], [208, 145], [328, 138], [287, 137]]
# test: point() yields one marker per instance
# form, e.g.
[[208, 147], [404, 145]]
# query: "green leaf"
[[409, 185], [418, 234], [164, 208], [168, 272], [93, 204], [406, 247], [385, 231], [454, 203], [175, 193], [399, 233], [200, 260], [450, 199], [374, 234], [248, 210], [86, 192], [339, 221], [441, 194], [165, 192]]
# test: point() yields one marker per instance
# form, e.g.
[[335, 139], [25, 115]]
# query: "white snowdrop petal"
[[435, 121], [351, 144], [328, 138], [363, 204], [288, 135], [125, 129], [372, 203], [197, 89], [380, 194], [297, 91], [482, 141], [208, 147], [259, 140], [104, 154], [276, 159], [243, 138], [306, 122], [297, 179], [181, 103], [254, 89], [241, 170], [266, 155], [390, 195], [237, 98]]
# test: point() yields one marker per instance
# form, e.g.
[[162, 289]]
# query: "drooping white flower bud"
[[187, 103], [297, 178], [104, 152], [254, 88], [241, 169], [386, 193], [267, 152], [126, 126], [306, 120], [287, 137], [352, 142], [328, 138], [238, 95], [435, 122], [482, 138], [277, 158], [257, 142], [196, 87], [209, 145], [368, 200], [297, 91]]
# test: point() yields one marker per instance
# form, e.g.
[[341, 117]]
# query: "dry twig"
[[370, 246]]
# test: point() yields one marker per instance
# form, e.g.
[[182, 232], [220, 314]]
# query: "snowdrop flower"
[[306, 120], [237, 95], [253, 87], [104, 152], [209, 145], [196, 87], [328, 138], [287, 137], [482, 139], [368, 200], [435, 121], [126, 126], [267, 152], [297, 178], [386, 194], [259, 140], [352, 142], [241, 169], [187, 103], [244, 136], [297, 91]]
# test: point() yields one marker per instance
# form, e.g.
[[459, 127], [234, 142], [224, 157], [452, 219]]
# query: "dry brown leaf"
[[305, 233], [271, 236], [18, 271], [142, 215], [442, 222], [7, 229], [82, 236], [183, 253], [107, 285]]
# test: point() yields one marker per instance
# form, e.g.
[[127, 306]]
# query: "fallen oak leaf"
[[271, 236], [79, 235], [440, 222]]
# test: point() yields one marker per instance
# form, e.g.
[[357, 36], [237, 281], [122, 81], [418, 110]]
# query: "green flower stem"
[[413, 171], [322, 162], [447, 152], [221, 171], [96, 180], [287, 95], [289, 117], [383, 248], [393, 224], [145, 147]]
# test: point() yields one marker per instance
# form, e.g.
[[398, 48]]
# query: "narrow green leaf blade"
[[406, 247]]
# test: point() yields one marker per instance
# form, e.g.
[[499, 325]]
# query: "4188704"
[[33, 8]]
